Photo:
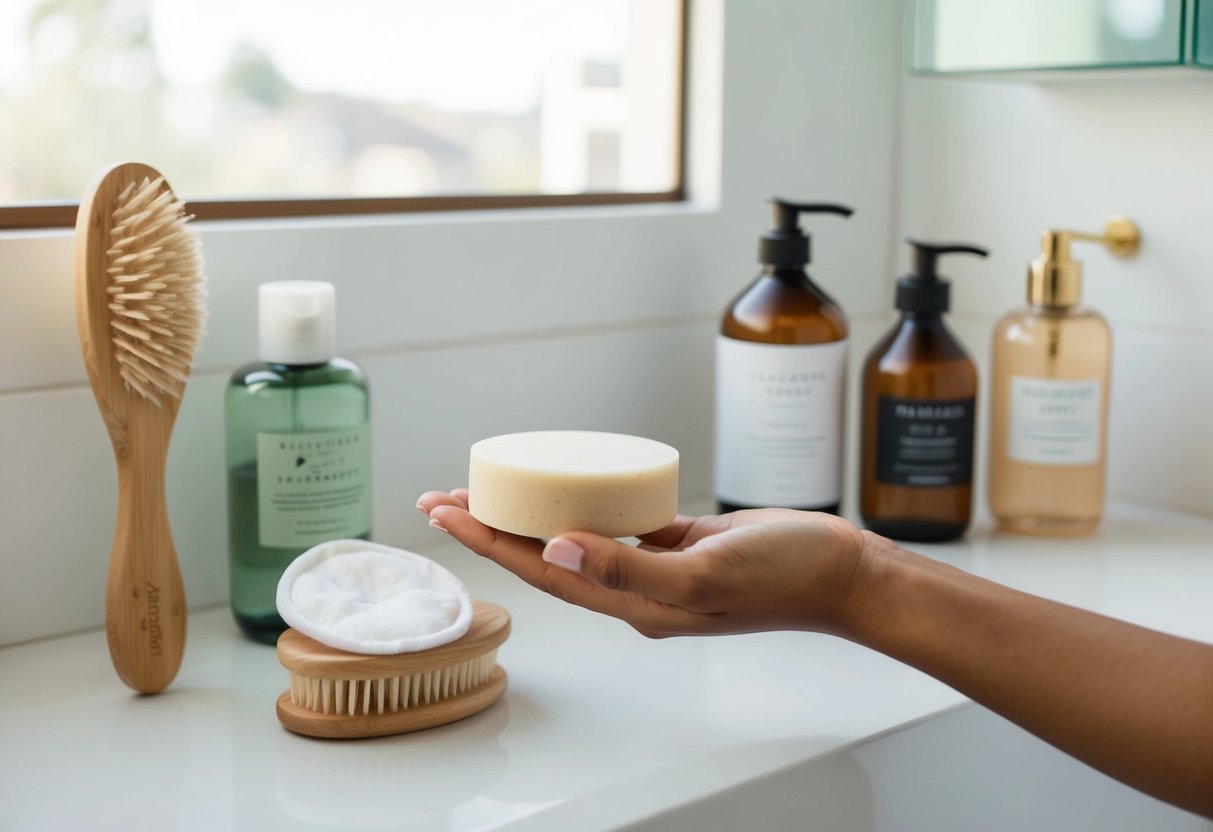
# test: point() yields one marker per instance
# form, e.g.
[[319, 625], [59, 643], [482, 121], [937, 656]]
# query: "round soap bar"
[[542, 483]]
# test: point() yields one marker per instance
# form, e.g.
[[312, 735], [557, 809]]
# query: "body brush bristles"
[[140, 309], [337, 694]]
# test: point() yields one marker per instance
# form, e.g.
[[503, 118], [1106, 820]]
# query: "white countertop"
[[600, 727]]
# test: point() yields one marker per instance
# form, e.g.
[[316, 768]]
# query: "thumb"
[[605, 561]]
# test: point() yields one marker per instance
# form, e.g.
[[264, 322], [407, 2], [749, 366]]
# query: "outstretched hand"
[[1072, 677], [753, 570]]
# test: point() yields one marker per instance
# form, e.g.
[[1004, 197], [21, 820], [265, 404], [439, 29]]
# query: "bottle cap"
[[785, 245], [923, 290], [296, 322]]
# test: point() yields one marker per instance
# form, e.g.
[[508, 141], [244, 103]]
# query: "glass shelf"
[[1005, 36]]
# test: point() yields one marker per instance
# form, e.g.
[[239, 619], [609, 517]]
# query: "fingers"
[[671, 577], [671, 535], [430, 500], [687, 531], [694, 529], [520, 555], [481, 539]]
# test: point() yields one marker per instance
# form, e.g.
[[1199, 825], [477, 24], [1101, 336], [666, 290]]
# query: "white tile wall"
[[475, 324], [1161, 412]]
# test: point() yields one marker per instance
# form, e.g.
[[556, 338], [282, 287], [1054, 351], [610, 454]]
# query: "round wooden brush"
[[140, 309]]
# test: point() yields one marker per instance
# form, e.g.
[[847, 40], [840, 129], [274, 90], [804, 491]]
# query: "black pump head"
[[785, 245], [923, 290]]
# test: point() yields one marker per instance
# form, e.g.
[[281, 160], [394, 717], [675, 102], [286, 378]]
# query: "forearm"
[[1134, 703]]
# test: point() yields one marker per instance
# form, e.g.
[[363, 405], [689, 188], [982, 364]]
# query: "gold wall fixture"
[[1055, 278]]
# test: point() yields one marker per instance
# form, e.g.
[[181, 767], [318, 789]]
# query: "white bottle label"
[[779, 422], [1055, 422]]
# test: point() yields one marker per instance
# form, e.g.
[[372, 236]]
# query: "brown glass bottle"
[[918, 410], [781, 367]]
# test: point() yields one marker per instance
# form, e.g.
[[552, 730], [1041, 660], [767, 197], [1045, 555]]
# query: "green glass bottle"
[[298, 450]]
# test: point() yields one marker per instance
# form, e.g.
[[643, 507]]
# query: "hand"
[[1069, 676], [760, 569]]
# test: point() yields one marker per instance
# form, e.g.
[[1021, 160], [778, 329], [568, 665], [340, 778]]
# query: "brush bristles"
[[156, 290], [364, 697]]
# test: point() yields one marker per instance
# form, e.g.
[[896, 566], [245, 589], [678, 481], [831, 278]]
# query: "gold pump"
[[1055, 279]]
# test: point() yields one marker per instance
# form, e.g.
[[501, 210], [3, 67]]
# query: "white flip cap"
[[296, 322]]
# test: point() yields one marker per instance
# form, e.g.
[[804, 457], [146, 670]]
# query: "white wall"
[[476, 324], [994, 163]]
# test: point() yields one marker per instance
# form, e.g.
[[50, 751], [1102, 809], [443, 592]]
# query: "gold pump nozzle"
[[1055, 279]]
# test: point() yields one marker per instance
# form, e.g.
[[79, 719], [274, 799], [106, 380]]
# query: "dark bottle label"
[[924, 441]]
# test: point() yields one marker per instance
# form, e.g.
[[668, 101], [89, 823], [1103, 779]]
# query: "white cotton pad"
[[542, 483], [366, 598]]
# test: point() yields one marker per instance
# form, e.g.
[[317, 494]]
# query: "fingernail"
[[564, 553], [434, 524], [421, 508]]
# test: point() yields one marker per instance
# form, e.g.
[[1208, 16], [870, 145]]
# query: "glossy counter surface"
[[599, 728]]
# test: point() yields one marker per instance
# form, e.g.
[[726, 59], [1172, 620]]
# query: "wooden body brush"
[[341, 695], [140, 309]]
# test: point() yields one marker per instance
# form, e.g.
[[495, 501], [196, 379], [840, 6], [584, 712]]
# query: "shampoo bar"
[[542, 483]]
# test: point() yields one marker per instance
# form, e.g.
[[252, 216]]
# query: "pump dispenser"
[[923, 291], [919, 403], [780, 379], [298, 449], [786, 245], [1049, 394]]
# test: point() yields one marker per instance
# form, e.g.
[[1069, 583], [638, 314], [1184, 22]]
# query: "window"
[[288, 107]]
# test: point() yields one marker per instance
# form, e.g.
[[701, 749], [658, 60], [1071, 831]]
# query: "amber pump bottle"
[[919, 403], [1049, 395], [780, 380]]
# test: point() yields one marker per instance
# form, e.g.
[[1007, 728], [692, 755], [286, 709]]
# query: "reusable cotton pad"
[[367, 598]]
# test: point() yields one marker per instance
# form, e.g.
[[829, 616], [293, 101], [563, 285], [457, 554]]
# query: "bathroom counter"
[[599, 728]]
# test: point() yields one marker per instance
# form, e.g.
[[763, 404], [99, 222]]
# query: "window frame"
[[62, 213]]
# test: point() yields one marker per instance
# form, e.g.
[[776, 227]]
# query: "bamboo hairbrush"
[[140, 309]]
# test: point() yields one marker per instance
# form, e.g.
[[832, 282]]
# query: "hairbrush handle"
[[145, 606]]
